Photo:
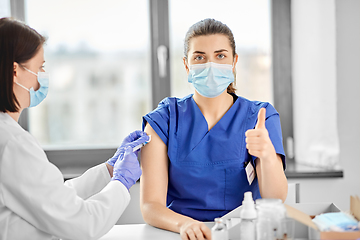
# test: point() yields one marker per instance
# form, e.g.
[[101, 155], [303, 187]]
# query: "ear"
[[186, 66], [235, 61], [16, 70]]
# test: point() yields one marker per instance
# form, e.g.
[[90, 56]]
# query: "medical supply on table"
[[141, 145], [210, 79], [271, 216], [336, 221], [248, 217], [219, 231]]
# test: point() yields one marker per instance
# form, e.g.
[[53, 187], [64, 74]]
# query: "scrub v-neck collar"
[[222, 121]]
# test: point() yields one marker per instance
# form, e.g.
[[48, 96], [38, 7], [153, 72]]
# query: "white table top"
[[141, 232]]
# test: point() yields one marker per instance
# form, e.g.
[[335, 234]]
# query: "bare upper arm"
[[154, 165]]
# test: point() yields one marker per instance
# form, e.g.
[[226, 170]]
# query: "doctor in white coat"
[[34, 201]]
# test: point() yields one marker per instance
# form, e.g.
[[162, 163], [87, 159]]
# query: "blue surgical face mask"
[[336, 221], [210, 79], [38, 96]]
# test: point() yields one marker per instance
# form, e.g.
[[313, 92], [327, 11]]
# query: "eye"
[[199, 58], [221, 56]]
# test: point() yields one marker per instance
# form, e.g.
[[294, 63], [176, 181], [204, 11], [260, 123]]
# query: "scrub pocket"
[[236, 184]]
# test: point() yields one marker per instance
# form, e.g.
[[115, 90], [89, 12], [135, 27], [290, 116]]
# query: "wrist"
[[110, 169], [184, 222], [126, 183], [270, 160], [269, 155]]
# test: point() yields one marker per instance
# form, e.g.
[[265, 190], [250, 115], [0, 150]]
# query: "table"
[[141, 232]]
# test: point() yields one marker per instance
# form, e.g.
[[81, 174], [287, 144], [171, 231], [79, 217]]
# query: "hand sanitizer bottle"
[[219, 230], [248, 218]]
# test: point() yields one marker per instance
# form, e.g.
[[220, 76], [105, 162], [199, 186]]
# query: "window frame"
[[75, 161], [282, 71]]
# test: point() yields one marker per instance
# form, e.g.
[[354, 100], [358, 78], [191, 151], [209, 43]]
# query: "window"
[[100, 71], [315, 98], [5, 8], [95, 101]]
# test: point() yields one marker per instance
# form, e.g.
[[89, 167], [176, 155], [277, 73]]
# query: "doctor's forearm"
[[271, 177]]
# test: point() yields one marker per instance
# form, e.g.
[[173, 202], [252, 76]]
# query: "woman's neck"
[[15, 115], [213, 109]]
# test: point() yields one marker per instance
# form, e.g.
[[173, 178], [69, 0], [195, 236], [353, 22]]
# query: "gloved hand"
[[127, 169], [132, 140]]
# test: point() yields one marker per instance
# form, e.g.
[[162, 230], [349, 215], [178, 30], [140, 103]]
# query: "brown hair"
[[208, 27], [18, 43]]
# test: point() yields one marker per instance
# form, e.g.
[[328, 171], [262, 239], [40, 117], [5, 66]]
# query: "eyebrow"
[[217, 51], [221, 50], [199, 52]]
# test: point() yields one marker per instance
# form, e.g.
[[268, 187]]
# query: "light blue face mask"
[[38, 96], [210, 79], [336, 221]]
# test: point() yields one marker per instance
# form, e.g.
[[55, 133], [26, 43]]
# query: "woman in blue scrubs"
[[210, 147]]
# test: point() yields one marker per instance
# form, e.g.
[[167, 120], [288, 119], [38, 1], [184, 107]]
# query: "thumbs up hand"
[[258, 141]]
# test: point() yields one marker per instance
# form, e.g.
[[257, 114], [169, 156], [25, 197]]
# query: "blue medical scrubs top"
[[207, 177]]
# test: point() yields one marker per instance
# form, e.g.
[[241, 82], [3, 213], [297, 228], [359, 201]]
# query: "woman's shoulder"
[[17, 137], [254, 106], [166, 108], [11, 133], [172, 101], [17, 144], [170, 104]]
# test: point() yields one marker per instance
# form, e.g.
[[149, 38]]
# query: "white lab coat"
[[36, 204]]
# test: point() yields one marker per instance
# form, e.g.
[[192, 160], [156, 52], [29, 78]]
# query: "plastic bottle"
[[271, 214], [248, 216], [219, 230]]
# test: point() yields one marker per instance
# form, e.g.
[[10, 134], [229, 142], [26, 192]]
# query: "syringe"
[[141, 145]]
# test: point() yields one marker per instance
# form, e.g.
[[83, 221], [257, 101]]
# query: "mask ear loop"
[[29, 71], [234, 67], [22, 86]]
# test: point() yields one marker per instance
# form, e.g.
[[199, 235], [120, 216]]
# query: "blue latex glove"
[[127, 170], [132, 140]]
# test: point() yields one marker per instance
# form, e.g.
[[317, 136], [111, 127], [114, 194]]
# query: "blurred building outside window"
[[97, 55]]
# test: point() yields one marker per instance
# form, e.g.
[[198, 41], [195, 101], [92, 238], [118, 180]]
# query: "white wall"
[[338, 190]]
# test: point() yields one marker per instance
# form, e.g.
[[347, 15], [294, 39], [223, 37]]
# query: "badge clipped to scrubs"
[[250, 172]]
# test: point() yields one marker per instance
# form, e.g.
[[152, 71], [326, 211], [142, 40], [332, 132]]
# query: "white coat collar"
[[7, 119]]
